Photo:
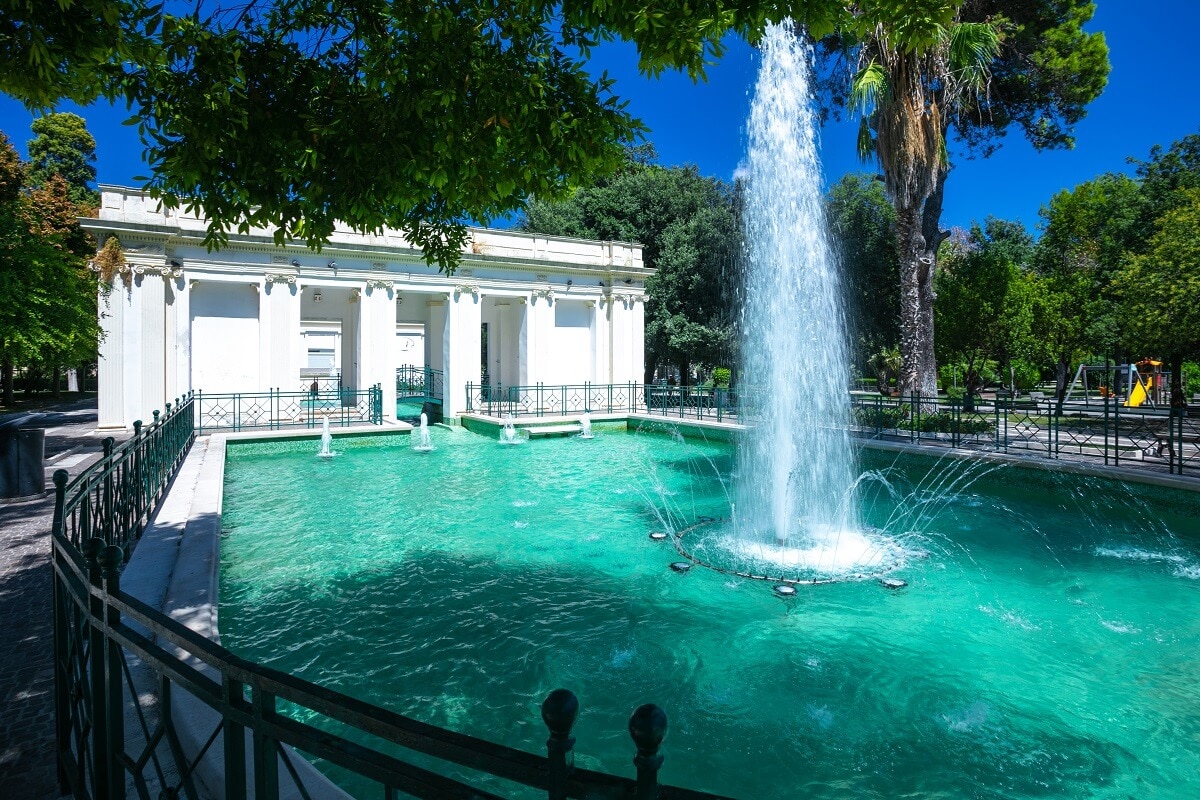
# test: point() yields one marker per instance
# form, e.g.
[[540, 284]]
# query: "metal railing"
[[115, 737], [1105, 432], [420, 382], [324, 384], [275, 409], [541, 400]]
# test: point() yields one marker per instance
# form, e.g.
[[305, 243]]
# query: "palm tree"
[[908, 97]]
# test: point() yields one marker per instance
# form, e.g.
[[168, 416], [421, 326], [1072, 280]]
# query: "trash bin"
[[22, 461]]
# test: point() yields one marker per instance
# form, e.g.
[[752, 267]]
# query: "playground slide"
[[1137, 396]]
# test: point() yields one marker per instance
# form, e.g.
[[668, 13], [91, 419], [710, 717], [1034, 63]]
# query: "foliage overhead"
[[291, 114]]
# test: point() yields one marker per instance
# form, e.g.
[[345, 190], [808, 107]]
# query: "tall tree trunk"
[[933, 235], [54, 381], [919, 236], [918, 369], [6, 378]]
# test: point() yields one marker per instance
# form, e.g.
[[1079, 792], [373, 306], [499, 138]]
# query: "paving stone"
[[27, 766]]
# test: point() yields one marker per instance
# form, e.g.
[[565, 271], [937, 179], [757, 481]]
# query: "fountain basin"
[[1048, 605]]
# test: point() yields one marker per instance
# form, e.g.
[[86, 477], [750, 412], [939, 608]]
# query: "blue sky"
[[1149, 100]]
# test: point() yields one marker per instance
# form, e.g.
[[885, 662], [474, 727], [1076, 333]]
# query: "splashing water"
[[796, 466], [326, 440], [509, 434], [585, 427], [424, 443]]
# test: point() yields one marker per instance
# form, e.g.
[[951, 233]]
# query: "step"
[[553, 430]]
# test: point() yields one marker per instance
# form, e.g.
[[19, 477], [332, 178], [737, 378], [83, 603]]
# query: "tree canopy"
[[992, 65], [862, 225], [292, 114], [62, 145], [47, 295]]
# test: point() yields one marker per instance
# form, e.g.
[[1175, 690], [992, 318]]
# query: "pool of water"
[[1045, 646]]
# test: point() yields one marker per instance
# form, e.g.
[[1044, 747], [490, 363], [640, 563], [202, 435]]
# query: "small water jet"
[[508, 434], [585, 426], [326, 440], [424, 443]]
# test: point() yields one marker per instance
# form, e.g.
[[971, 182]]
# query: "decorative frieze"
[[377, 283], [281, 277], [547, 293], [468, 287]]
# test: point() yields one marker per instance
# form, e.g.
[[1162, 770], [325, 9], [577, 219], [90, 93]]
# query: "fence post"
[[199, 412], [647, 727], [234, 741], [100, 780], [470, 402], [266, 764], [111, 559], [1115, 419], [62, 696], [559, 711]]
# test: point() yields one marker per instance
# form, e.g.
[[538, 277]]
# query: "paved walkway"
[[27, 767]]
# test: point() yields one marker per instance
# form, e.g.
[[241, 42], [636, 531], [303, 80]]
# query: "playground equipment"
[[1134, 384]]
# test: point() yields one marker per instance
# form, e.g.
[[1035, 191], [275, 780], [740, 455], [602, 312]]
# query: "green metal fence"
[[420, 382], [116, 738], [275, 409], [1101, 431]]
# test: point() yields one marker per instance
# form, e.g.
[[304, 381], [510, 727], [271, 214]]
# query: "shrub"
[[721, 377]]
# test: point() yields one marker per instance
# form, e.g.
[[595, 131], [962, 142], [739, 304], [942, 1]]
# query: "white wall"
[[225, 352], [570, 347]]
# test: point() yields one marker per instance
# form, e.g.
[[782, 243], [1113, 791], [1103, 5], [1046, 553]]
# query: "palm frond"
[[866, 141], [972, 48], [869, 89]]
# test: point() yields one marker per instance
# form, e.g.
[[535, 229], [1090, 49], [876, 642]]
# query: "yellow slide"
[[1138, 395]]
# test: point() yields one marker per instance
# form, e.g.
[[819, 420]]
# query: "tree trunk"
[[54, 381], [6, 377], [918, 369], [1060, 383]]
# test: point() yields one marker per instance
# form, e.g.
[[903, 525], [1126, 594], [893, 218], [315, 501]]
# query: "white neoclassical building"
[[520, 310]]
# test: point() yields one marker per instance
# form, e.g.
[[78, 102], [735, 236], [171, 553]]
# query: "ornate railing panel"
[[421, 382], [275, 410]]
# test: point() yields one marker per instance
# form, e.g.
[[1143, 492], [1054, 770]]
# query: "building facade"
[[521, 309]]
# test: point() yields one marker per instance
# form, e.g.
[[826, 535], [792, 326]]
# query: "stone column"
[[152, 294], [377, 342], [602, 341], [279, 326], [181, 304], [462, 346], [111, 366], [637, 335]]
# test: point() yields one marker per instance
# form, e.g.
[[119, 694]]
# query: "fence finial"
[[647, 728]]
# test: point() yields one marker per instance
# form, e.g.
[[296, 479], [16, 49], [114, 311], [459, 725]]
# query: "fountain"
[[795, 503], [424, 444], [326, 440], [509, 434], [585, 426]]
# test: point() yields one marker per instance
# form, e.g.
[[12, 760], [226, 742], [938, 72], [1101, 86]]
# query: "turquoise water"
[[1046, 647]]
